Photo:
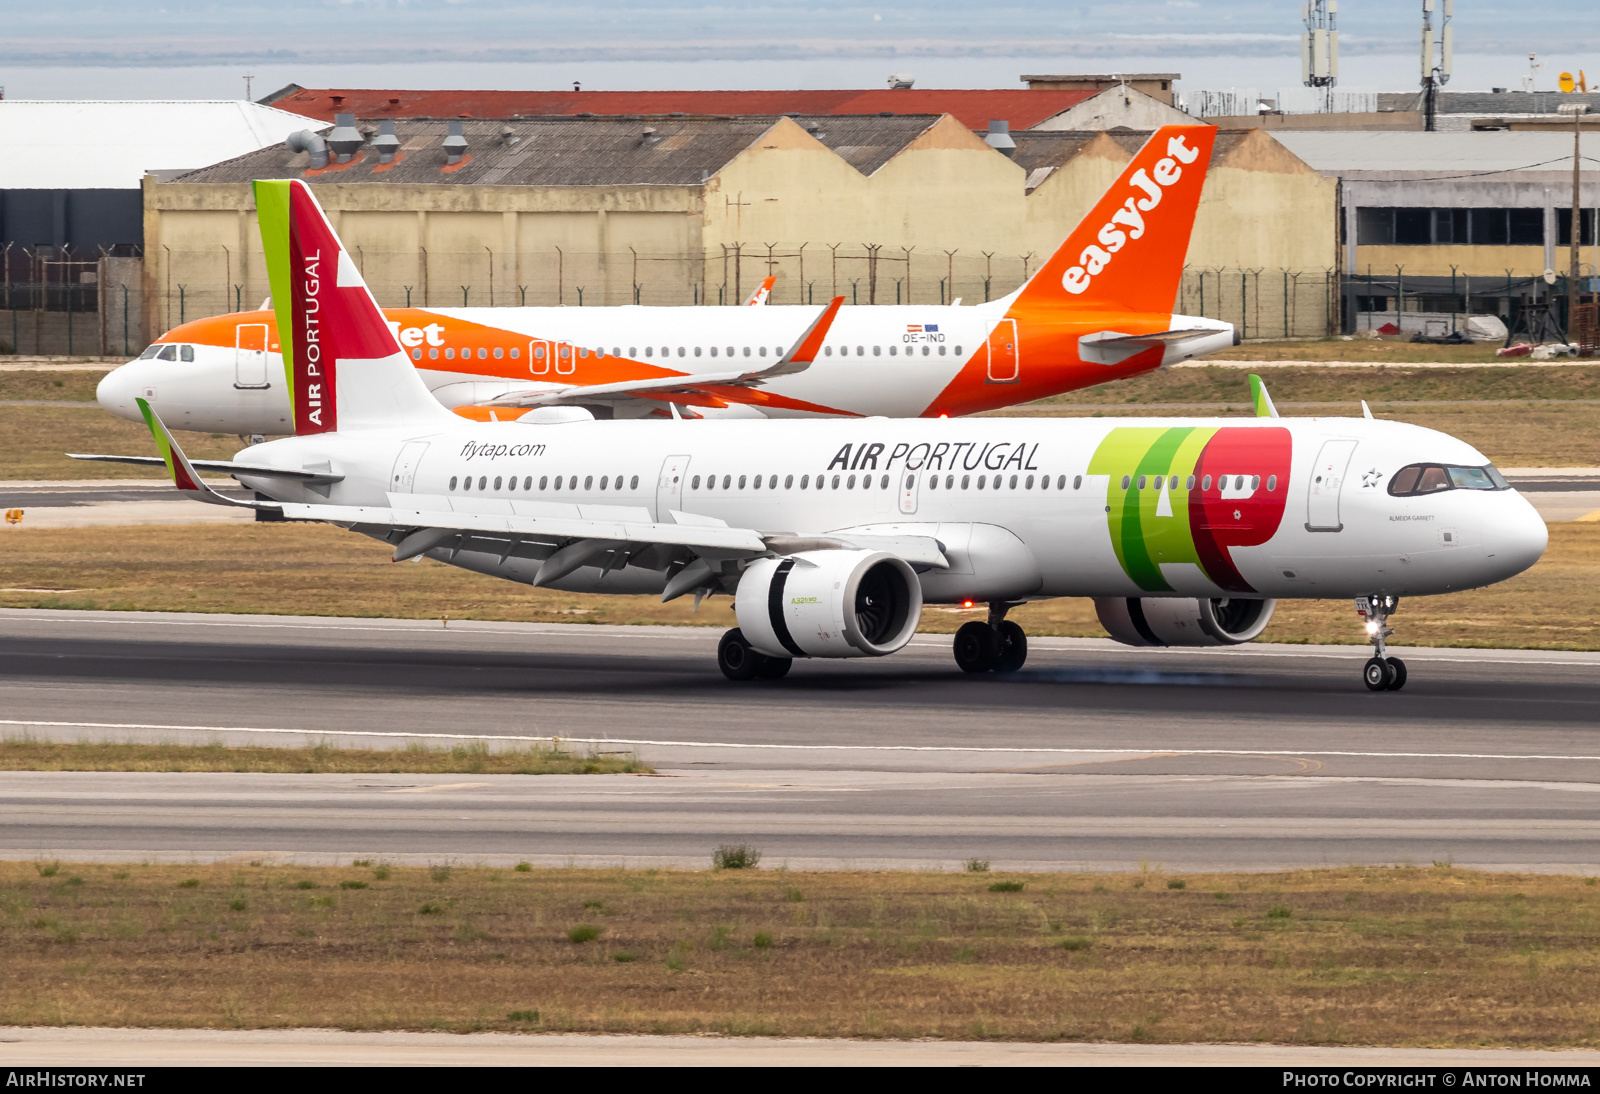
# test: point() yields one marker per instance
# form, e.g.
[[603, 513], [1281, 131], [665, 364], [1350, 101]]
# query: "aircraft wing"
[[798, 359], [1110, 347]]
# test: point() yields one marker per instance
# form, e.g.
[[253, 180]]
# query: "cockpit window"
[[149, 352], [186, 353], [168, 353], [1430, 478]]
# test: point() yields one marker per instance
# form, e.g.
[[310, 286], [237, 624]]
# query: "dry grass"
[[1358, 349], [1340, 956], [416, 759], [78, 387], [34, 440], [289, 569]]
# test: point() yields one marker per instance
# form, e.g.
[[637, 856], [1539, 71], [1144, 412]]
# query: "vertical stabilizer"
[[1128, 252], [344, 368]]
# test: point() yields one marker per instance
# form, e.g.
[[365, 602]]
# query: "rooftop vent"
[[508, 136], [338, 100], [901, 81], [394, 101], [455, 144], [647, 135], [386, 144], [999, 138], [345, 140], [303, 140]]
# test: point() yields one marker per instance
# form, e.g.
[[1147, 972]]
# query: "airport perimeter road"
[[1095, 756]]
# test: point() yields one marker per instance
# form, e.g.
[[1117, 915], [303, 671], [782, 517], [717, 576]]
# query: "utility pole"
[[1577, 111], [1435, 75]]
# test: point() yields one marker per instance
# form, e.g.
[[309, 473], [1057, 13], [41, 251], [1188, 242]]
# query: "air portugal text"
[[1112, 238], [944, 456], [310, 344]]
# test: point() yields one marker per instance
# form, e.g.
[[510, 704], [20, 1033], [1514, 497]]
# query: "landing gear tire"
[[774, 668], [737, 659], [977, 648], [1377, 674], [1397, 673], [1013, 643]]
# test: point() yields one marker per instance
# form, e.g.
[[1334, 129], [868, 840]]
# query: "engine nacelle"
[[1170, 621], [829, 604]]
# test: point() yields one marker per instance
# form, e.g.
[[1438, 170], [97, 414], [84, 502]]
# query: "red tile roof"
[[973, 108]]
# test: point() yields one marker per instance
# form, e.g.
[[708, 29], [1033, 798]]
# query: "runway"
[[1093, 757]]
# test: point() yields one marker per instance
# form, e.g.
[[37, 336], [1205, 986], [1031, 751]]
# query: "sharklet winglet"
[[184, 477]]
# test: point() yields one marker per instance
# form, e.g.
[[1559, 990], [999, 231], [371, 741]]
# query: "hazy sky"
[[189, 48]]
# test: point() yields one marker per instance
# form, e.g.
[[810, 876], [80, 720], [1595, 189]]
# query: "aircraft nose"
[[1519, 539], [117, 390]]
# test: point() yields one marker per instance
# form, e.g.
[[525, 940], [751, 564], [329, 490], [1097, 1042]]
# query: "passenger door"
[[670, 486], [405, 467], [1327, 478], [1005, 359], [250, 355]]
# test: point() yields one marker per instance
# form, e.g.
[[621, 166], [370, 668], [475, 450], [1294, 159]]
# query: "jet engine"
[[831, 603], [1170, 621]]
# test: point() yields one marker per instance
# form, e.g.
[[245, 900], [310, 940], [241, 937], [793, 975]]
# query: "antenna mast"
[[1435, 74], [1319, 48]]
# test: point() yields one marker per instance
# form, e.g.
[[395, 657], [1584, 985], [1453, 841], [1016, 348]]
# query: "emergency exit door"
[[1327, 481]]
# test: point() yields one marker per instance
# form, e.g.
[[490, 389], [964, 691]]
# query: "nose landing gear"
[[996, 645], [1381, 672]]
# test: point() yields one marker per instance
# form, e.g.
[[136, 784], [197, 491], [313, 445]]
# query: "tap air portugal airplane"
[[1099, 310], [831, 535]]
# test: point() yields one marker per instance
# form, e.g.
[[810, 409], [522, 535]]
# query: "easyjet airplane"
[[831, 535], [1100, 309]]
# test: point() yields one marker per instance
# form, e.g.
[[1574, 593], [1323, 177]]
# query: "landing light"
[[1372, 627]]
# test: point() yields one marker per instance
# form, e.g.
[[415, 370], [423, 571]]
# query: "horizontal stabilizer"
[[225, 467]]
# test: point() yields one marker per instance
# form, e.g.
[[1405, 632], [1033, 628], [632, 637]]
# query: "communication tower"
[[1435, 72], [1319, 48]]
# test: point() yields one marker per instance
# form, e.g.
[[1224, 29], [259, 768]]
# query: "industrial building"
[[691, 210]]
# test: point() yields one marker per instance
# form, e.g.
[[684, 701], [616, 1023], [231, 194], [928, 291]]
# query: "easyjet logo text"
[[472, 450], [1128, 222]]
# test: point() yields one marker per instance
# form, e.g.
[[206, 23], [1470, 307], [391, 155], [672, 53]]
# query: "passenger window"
[[1029, 484], [466, 484], [966, 481], [186, 353], [788, 482], [941, 351], [681, 351], [772, 482], [169, 353], [557, 484], [893, 350], [1141, 482], [527, 483], [511, 483], [483, 354], [666, 352], [633, 483], [850, 483], [544, 481], [416, 354], [452, 482], [433, 354], [588, 482], [483, 482], [877, 351], [1013, 482], [827, 351], [835, 482], [958, 351], [762, 351], [985, 478], [649, 351], [1125, 482], [603, 480], [694, 483], [450, 353], [1272, 483], [727, 481], [861, 351], [747, 351], [499, 352], [618, 485], [1255, 482], [632, 352], [697, 351], [713, 351], [741, 482], [497, 481]]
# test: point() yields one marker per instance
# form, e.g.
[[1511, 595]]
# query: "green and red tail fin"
[[344, 366], [1128, 252], [184, 476]]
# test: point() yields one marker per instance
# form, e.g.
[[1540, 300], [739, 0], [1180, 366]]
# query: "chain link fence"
[[1264, 303]]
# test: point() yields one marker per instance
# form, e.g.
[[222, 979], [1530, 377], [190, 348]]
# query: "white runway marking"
[[636, 741]]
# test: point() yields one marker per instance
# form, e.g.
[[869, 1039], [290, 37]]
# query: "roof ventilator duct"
[[508, 136], [647, 135], [303, 140], [455, 144], [386, 144], [999, 138], [345, 140]]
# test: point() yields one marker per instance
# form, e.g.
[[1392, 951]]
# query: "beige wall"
[[947, 216], [1477, 262]]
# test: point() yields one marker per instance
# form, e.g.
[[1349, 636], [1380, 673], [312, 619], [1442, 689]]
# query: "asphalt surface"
[[1093, 757]]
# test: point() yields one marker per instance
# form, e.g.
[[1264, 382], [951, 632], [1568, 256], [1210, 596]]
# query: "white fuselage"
[[1023, 507]]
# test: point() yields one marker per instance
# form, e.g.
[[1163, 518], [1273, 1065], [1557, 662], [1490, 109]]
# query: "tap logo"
[[1189, 495]]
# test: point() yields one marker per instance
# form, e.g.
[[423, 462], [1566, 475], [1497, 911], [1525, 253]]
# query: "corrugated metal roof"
[[1334, 152], [566, 151], [93, 145], [1042, 148], [1489, 103], [973, 108]]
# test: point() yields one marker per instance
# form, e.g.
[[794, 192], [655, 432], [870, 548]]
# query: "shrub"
[[583, 933], [382, 873], [439, 873], [523, 1016], [361, 862], [762, 941], [347, 884], [47, 869], [237, 904], [305, 884], [523, 867], [1075, 944], [735, 856], [1175, 884], [976, 866], [1280, 912], [189, 883], [1007, 887], [431, 908], [793, 896], [624, 957]]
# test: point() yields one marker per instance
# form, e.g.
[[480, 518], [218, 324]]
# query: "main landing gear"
[[995, 645], [1381, 672], [738, 660]]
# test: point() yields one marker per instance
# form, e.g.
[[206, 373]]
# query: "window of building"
[[1411, 227], [1585, 228]]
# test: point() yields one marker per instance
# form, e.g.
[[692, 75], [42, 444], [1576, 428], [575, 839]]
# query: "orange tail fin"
[[1128, 252]]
